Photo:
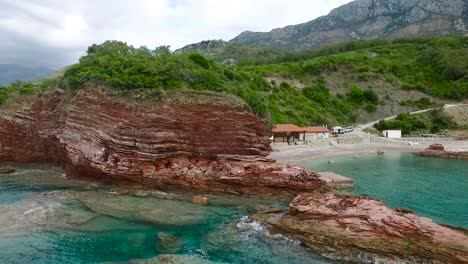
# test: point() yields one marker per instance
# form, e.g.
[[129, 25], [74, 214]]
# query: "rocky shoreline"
[[365, 230], [214, 146], [207, 145], [438, 151]]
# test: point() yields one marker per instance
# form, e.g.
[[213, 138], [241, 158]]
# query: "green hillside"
[[341, 84]]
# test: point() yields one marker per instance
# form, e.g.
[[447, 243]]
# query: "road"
[[371, 124]]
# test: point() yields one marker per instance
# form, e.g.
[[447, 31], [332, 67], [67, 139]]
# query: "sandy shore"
[[292, 154]]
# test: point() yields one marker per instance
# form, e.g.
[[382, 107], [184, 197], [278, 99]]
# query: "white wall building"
[[314, 133], [392, 133]]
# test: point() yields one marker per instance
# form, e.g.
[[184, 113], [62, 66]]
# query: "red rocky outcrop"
[[438, 151], [362, 229], [191, 140]]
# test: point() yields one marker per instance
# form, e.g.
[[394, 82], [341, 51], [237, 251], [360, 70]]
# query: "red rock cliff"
[[193, 141]]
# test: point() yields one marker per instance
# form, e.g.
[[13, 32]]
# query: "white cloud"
[[68, 27]]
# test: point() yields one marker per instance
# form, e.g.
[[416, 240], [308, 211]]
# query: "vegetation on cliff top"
[[435, 66]]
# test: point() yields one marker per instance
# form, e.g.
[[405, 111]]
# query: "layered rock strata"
[[365, 230], [190, 140]]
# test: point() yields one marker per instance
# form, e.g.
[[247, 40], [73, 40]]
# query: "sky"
[[55, 33]]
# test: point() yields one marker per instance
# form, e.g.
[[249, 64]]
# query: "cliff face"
[[191, 141], [368, 19], [360, 229]]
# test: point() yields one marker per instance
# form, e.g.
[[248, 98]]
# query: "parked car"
[[348, 129], [337, 130]]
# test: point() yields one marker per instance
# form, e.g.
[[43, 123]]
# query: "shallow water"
[[432, 187], [41, 225]]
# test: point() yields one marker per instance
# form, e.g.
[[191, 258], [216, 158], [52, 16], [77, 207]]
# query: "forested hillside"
[[342, 84]]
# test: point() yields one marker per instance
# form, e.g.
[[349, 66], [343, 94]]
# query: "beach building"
[[316, 132], [286, 133], [291, 133], [392, 133]]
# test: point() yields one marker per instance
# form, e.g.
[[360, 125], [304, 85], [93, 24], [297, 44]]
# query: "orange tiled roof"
[[282, 128], [316, 129]]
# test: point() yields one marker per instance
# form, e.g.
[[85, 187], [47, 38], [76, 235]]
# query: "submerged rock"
[[6, 169], [168, 259], [248, 241], [177, 259], [45, 211], [158, 211], [200, 200], [168, 243], [362, 229]]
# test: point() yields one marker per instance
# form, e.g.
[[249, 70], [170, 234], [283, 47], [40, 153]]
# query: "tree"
[[356, 94], [161, 50], [371, 97]]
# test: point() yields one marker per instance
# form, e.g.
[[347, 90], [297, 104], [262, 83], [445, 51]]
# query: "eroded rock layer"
[[365, 230], [191, 140]]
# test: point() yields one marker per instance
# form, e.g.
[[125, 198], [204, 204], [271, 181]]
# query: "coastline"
[[296, 153]]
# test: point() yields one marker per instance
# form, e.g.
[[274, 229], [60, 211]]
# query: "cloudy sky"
[[56, 32]]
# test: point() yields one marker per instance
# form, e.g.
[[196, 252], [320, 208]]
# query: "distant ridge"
[[13, 72], [368, 19]]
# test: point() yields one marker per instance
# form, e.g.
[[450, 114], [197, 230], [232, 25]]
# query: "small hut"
[[287, 133], [291, 133]]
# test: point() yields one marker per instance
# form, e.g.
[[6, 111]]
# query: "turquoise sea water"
[[40, 225], [432, 187]]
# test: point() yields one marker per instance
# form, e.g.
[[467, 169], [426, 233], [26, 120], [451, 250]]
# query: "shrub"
[[318, 93], [371, 97], [200, 60], [371, 108], [356, 94]]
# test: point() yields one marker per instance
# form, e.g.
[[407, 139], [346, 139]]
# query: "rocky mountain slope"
[[368, 19]]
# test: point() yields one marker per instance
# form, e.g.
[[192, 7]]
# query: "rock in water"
[[438, 147], [438, 151], [200, 200], [168, 243], [168, 259], [356, 228], [177, 259], [6, 169]]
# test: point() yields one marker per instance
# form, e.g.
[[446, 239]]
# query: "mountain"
[[368, 19], [13, 72], [233, 53]]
